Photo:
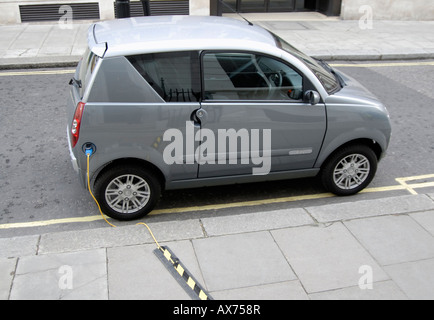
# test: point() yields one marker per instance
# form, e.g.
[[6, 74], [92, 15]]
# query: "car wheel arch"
[[133, 162], [371, 143]]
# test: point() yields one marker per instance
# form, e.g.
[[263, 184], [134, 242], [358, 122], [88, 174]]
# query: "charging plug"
[[89, 148]]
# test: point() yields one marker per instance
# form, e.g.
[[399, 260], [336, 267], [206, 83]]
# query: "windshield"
[[325, 75]]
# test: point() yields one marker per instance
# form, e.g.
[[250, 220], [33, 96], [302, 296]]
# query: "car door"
[[253, 108], [175, 78]]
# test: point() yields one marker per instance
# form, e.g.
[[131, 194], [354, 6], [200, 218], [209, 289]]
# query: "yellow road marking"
[[243, 204], [388, 64], [421, 177], [411, 187], [36, 72], [403, 185], [44, 223], [406, 186], [383, 189]]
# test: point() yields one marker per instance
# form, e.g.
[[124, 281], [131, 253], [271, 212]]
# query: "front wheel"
[[349, 170], [127, 193]]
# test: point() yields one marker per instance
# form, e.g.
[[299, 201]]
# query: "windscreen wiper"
[[332, 71], [324, 64], [77, 82]]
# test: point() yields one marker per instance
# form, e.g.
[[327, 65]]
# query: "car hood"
[[352, 91]]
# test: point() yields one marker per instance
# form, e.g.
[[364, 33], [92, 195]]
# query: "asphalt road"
[[41, 193]]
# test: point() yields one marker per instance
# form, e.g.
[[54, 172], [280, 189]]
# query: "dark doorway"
[[260, 5], [328, 7]]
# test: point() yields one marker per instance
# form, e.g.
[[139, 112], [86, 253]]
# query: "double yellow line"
[[403, 184], [36, 72]]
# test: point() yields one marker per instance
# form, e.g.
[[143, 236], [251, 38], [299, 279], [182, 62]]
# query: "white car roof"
[[176, 33]]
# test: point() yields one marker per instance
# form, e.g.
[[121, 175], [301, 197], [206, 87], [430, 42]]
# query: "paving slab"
[[326, 258], [136, 273], [237, 261], [256, 221], [287, 290], [369, 208], [76, 275], [425, 219], [28, 40], [383, 290], [114, 237], [393, 239], [7, 271], [19, 246], [414, 278]]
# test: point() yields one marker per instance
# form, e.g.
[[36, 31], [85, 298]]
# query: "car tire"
[[349, 170], [127, 193]]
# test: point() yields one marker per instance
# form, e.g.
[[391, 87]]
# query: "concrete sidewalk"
[[370, 249], [47, 44]]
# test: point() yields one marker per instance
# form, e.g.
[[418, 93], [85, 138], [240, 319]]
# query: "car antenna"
[[234, 11]]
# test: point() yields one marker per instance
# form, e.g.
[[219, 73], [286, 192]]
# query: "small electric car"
[[174, 102]]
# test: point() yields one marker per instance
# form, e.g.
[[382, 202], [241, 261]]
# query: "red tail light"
[[76, 122]]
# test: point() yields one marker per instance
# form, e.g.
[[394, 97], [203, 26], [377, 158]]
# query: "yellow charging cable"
[[102, 214], [166, 253]]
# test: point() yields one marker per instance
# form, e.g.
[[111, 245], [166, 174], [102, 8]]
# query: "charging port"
[[89, 148]]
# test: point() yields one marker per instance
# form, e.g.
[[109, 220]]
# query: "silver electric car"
[[174, 102]]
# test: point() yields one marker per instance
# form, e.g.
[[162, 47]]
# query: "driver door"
[[253, 94]]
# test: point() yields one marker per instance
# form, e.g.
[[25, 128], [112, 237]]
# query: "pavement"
[[366, 249], [54, 45]]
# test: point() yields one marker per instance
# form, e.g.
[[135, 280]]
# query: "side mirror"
[[312, 97]]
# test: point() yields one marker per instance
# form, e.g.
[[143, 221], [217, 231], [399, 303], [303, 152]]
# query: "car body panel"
[[354, 113], [125, 118]]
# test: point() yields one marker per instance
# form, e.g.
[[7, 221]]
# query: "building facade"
[[18, 11]]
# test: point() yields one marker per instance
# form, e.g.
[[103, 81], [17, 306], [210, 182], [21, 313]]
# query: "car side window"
[[248, 76], [175, 76]]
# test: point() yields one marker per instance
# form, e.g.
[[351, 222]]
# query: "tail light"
[[76, 122]]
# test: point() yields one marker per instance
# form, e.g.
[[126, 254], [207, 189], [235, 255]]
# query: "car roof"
[[177, 33]]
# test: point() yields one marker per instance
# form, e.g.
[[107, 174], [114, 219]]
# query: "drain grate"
[[50, 12]]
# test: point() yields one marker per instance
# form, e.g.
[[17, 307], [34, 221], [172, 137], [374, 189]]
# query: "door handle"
[[199, 116]]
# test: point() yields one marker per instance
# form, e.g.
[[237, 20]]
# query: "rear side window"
[[86, 69], [175, 76]]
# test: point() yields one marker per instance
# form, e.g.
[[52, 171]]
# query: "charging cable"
[[88, 153], [190, 282]]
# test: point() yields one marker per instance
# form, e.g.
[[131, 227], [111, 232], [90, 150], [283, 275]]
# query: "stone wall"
[[388, 9], [10, 13]]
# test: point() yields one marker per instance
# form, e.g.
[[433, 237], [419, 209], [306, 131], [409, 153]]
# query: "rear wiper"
[[77, 82]]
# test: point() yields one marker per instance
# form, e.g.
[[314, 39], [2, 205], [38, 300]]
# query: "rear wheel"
[[349, 170], [127, 193]]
